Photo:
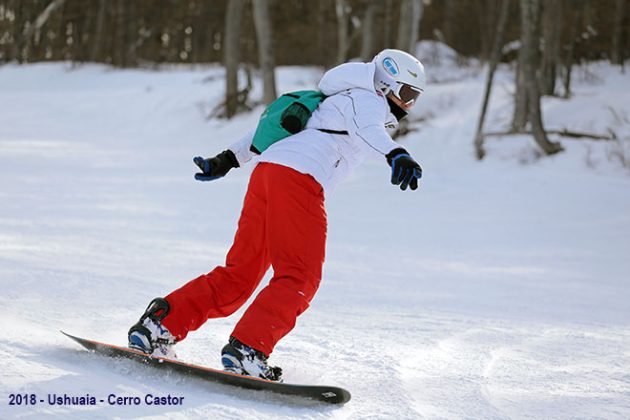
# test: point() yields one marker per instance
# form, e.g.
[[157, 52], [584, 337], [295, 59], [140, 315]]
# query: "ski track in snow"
[[497, 290]]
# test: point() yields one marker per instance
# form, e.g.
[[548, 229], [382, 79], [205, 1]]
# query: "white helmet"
[[400, 73]]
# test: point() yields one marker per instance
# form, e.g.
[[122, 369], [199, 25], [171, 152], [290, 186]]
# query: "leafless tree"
[[231, 47], [519, 118], [449, 21], [409, 24], [387, 37], [98, 30], [368, 41], [119, 56], [265, 49], [494, 61], [616, 55], [530, 41], [575, 11], [323, 49], [552, 30], [342, 11], [32, 30], [131, 33], [133, 40]]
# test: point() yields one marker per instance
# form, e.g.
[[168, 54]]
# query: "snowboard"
[[327, 394]]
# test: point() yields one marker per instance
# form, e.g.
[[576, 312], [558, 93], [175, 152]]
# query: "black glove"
[[215, 167], [405, 170]]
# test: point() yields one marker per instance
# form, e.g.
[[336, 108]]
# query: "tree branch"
[[35, 28], [563, 132]]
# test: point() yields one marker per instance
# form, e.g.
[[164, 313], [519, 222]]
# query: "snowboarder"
[[283, 221]]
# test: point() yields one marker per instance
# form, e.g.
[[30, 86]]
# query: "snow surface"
[[499, 289]]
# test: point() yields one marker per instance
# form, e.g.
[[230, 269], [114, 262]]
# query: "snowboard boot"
[[149, 336], [239, 358]]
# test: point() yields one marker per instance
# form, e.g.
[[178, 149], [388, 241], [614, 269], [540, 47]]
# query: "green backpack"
[[285, 116]]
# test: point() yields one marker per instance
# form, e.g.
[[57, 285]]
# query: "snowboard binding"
[[239, 358], [149, 336]]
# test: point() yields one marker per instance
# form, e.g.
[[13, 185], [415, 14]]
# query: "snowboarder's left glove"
[[405, 171], [215, 167]]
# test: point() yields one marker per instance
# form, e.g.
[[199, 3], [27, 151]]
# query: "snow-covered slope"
[[497, 290]]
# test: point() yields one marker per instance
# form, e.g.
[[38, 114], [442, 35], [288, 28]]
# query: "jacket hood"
[[348, 76]]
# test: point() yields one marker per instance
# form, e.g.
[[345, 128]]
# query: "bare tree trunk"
[[207, 36], [323, 49], [231, 55], [449, 20], [408, 28], [409, 25], [119, 56], [18, 38], [529, 23], [616, 54], [78, 34], [66, 30], [519, 119], [5, 52], [98, 31], [576, 11], [198, 39], [404, 25], [552, 30], [417, 9], [132, 41], [342, 10], [484, 18], [265, 49], [387, 37], [368, 48], [494, 61], [34, 29]]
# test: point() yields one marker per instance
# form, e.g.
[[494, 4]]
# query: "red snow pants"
[[283, 224]]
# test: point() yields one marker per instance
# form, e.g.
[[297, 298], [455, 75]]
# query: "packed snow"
[[498, 289]]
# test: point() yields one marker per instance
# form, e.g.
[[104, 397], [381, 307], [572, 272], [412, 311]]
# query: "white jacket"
[[353, 105]]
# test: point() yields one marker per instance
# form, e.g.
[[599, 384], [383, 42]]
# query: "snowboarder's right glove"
[[405, 171], [215, 167]]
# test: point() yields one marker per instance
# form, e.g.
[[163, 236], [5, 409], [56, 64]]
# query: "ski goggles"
[[406, 93]]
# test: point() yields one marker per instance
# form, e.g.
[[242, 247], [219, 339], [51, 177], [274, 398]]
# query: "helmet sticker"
[[390, 66]]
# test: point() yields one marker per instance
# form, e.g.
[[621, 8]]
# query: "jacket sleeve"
[[241, 148], [365, 118]]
